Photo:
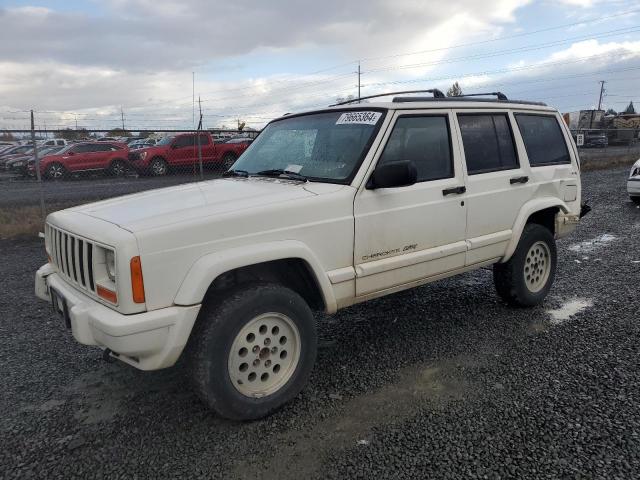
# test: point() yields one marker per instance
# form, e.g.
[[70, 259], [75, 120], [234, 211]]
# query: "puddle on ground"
[[593, 244], [568, 309]]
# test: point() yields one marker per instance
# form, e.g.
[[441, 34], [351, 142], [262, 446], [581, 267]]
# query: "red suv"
[[80, 157]]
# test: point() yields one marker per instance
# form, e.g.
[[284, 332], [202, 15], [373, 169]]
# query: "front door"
[[406, 234]]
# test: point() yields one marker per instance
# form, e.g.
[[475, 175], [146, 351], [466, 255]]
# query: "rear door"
[[406, 234], [498, 183]]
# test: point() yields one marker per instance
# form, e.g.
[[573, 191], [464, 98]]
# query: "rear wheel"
[[158, 167], [118, 168], [253, 351], [525, 280], [55, 171]]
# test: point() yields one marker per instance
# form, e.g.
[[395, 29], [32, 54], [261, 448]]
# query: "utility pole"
[[122, 116], [193, 93], [37, 167], [199, 143], [76, 115], [358, 81], [602, 82]]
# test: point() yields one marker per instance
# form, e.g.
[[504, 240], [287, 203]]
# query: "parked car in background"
[[89, 156], [107, 139], [245, 141], [60, 142], [182, 150], [14, 152], [147, 142], [21, 164], [633, 183], [596, 140]]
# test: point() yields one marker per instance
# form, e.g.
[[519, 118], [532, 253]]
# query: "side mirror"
[[175, 145], [71, 153], [393, 174]]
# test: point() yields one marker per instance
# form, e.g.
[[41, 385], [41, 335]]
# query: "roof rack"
[[502, 98], [436, 94], [500, 95]]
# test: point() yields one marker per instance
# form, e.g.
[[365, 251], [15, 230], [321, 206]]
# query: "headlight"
[[142, 155], [110, 262]]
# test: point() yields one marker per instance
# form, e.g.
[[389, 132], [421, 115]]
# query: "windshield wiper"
[[280, 172], [236, 173]]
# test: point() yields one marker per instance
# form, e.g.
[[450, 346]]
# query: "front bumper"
[[633, 186], [148, 341]]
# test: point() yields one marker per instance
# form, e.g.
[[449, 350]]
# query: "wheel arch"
[[288, 262], [541, 211]]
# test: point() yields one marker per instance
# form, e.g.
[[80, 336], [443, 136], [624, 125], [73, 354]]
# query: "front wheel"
[[55, 171], [253, 351], [158, 167], [525, 280], [118, 168], [228, 160]]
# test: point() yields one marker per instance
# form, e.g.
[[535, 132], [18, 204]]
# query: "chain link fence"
[[71, 167]]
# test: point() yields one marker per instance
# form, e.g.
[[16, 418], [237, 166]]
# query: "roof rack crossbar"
[[436, 94], [500, 95]]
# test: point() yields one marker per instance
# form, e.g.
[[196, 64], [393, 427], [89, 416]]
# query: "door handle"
[[524, 179], [456, 190]]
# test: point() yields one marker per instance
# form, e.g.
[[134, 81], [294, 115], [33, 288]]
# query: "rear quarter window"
[[543, 139]]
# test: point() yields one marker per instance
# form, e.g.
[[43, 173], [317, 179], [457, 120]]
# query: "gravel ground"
[[443, 381]]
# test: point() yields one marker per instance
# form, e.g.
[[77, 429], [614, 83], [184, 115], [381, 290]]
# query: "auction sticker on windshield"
[[366, 118]]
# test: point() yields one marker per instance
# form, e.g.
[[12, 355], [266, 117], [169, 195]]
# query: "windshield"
[[321, 146], [166, 140]]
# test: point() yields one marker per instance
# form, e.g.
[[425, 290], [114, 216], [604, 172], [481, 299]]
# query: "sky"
[[89, 63]]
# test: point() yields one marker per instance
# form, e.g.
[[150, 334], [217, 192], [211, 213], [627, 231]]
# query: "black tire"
[[218, 326], [635, 200], [55, 171], [118, 168], [510, 278], [228, 160], [158, 167]]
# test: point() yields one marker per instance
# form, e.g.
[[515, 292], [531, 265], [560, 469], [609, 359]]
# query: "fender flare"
[[207, 268], [526, 211]]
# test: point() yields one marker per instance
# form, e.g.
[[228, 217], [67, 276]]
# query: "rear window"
[[543, 139], [488, 143]]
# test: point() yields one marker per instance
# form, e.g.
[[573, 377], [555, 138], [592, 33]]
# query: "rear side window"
[[426, 142], [185, 141], [488, 142], [543, 140]]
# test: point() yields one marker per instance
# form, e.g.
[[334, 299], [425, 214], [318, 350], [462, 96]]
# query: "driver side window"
[[424, 140]]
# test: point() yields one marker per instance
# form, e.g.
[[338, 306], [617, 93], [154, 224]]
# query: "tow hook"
[[584, 209]]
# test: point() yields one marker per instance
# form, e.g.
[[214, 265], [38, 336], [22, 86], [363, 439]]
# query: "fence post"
[[36, 157]]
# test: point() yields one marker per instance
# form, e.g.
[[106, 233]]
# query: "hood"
[[182, 203]]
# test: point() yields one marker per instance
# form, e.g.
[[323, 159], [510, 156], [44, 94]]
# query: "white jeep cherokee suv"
[[325, 209]]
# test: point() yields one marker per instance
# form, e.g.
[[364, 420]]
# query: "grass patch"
[[25, 221]]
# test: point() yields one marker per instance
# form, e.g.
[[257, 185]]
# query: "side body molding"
[[527, 210], [207, 268]]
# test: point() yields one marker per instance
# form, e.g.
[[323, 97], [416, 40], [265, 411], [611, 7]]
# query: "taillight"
[[137, 283]]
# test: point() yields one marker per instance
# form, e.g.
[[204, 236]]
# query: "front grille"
[[73, 256]]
